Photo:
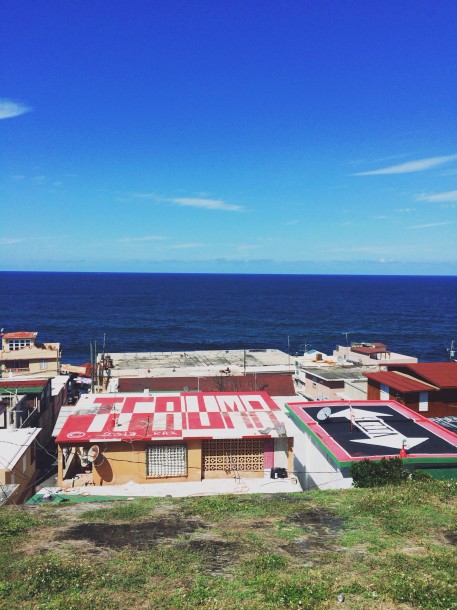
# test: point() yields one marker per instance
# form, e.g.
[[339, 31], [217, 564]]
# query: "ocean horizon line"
[[228, 273]]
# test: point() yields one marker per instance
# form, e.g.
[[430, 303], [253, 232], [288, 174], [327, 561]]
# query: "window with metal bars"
[[166, 461]]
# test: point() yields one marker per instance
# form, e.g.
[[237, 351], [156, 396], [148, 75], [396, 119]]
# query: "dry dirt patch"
[[219, 554], [321, 531]]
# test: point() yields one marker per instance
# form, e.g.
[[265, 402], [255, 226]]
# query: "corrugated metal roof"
[[14, 443], [449, 422], [28, 385], [402, 383], [35, 386], [170, 416], [442, 374]]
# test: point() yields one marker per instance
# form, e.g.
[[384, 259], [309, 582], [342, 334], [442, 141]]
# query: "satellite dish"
[[324, 413], [93, 453]]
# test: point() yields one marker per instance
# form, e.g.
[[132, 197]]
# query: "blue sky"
[[214, 136]]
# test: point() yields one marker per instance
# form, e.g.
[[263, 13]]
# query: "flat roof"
[[349, 431], [58, 382], [173, 416], [203, 360], [337, 372], [375, 348]]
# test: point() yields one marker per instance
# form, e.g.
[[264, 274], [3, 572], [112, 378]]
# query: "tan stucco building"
[[20, 354], [112, 439]]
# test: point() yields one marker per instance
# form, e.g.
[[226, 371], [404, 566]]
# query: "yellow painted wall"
[[122, 462]]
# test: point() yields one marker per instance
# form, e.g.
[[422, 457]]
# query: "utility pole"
[[91, 369]]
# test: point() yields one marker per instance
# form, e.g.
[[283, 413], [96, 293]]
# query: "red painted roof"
[[99, 418], [442, 374], [272, 384], [26, 383], [375, 348], [400, 382], [20, 335]]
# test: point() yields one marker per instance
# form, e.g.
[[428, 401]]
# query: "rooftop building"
[[336, 434], [20, 355], [172, 437]]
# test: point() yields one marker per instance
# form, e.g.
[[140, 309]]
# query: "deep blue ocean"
[[171, 312]]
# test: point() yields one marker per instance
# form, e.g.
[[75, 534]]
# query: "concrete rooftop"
[[209, 362], [336, 372]]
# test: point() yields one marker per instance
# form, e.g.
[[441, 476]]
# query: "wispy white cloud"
[[291, 222], [438, 197], [186, 246], [208, 204], [433, 224], [9, 241], [194, 202], [10, 109], [411, 166], [405, 210], [140, 239]]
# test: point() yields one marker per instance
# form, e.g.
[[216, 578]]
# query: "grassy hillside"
[[393, 547]]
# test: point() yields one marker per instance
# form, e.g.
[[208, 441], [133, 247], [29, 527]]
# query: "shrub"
[[388, 471], [420, 475]]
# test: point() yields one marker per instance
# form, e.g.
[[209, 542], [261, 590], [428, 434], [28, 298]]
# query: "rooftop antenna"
[[451, 351], [347, 333]]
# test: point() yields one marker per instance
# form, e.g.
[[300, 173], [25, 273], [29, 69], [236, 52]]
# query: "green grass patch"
[[124, 510], [392, 547], [15, 522], [218, 508]]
